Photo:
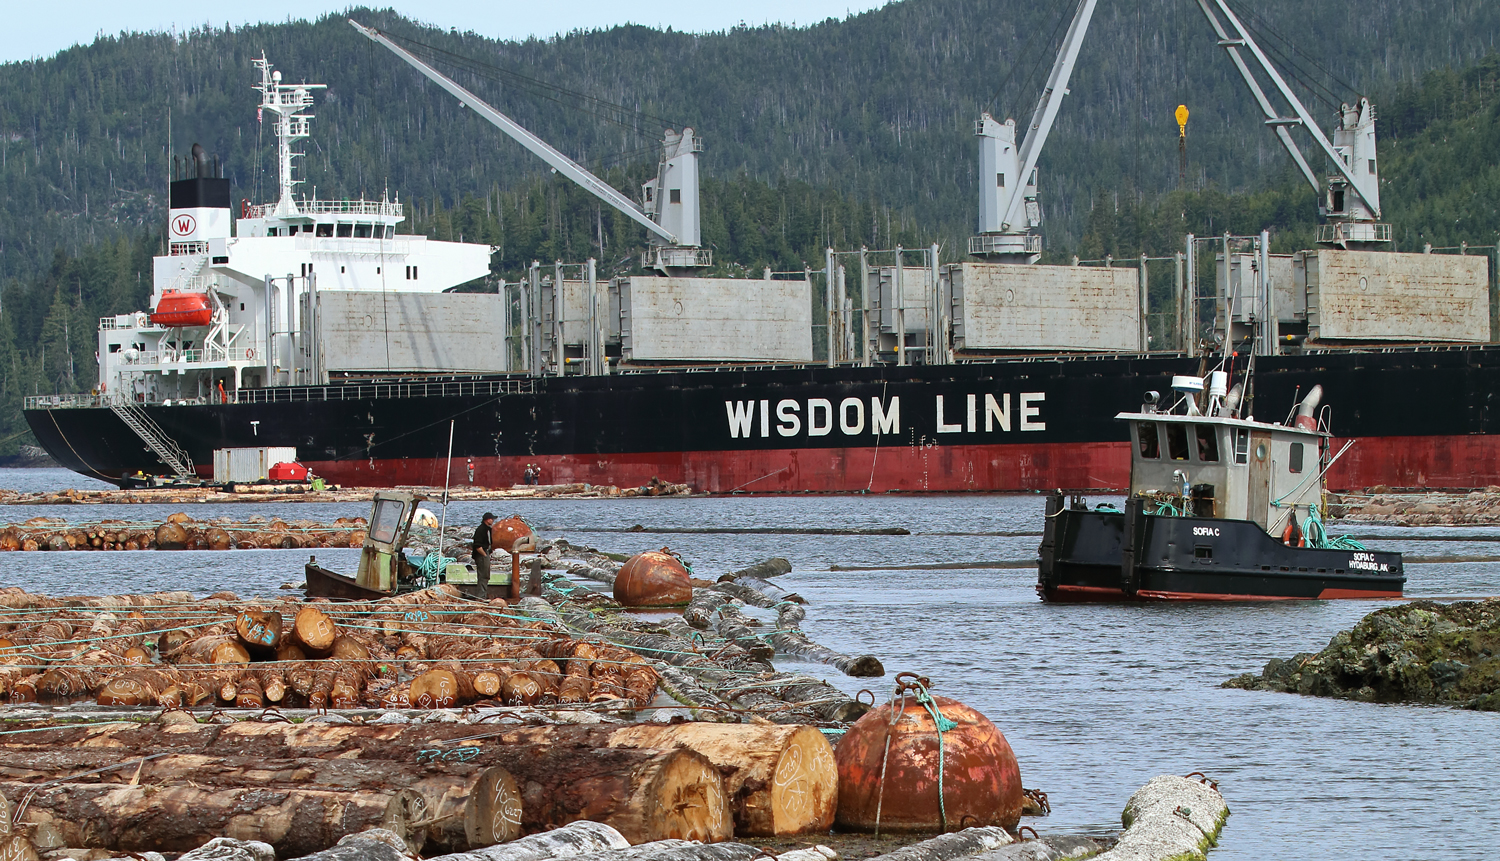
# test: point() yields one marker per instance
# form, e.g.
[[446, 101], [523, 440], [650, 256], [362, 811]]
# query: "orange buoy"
[[512, 535], [176, 308], [655, 578], [980, 780]]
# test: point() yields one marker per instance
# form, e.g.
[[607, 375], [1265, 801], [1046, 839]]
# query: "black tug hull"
[[1132, 556]]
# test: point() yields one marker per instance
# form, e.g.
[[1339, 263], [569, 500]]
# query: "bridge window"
[[1177, 442], [346, 230], [362, 231], [1150, 443], [1295, 463], [1208, 444], [325, 230], [390, 231]]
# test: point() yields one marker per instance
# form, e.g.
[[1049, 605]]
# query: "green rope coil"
[[432, 565], [924, 698]]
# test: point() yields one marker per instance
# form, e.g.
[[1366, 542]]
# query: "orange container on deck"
[[183, 309]]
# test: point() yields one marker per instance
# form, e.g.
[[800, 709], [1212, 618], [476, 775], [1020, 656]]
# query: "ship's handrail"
[[391, 389], [298, 394], [331, 207]]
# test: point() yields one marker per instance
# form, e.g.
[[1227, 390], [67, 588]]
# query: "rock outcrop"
[[1423, 652]]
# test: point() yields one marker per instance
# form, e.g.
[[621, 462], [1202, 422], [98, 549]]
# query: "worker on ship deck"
[[481, 546]]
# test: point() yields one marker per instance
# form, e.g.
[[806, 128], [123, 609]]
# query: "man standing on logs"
[[481, 547]]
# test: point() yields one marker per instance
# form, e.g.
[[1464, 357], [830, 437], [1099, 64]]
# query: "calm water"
[[1095, 700]]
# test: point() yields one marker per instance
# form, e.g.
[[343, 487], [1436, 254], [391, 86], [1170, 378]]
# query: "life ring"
[[1292, 536], [249, 354]]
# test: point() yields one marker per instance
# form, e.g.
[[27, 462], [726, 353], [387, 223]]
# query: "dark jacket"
[[481, 539]]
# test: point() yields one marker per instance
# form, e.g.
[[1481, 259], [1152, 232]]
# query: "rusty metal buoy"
[[512, 535], [655, 578], [980, 782]]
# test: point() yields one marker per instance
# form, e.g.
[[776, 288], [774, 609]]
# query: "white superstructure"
[[261, 268]]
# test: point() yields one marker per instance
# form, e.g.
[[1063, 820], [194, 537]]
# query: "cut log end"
[[689, 801], [865, 667], [492, 812]]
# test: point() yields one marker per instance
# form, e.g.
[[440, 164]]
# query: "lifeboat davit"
[[183, 309]]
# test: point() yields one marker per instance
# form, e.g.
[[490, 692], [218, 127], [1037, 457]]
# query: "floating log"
[[781, 780], [365, 846], [700, 610], [575, 839], [948, 847], [1170, 817], [794, 642], [734, 626], [178, 818], [773, 567]]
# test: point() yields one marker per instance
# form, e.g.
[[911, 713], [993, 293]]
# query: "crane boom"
[[540, 148], [1047, 106], [1232, 43]]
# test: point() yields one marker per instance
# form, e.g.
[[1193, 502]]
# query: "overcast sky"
[[34, 29]]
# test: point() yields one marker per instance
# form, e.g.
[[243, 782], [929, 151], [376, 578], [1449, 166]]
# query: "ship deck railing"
[[302, 394]]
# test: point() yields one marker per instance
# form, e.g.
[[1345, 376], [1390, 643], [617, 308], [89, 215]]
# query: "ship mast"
[[286, 102]]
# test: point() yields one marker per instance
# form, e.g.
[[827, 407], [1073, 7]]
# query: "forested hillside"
[[879, 107], [846, 133]]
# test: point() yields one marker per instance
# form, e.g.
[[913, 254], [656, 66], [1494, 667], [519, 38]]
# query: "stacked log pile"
[[427, 649], [439, 786], [181, 532]]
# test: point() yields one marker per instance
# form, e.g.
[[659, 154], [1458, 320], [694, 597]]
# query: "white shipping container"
[[713, 319], [249, 464], [1008, 306], [1391, 296]]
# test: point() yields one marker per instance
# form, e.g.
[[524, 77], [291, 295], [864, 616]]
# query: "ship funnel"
[[200, 162], [1309, 406]]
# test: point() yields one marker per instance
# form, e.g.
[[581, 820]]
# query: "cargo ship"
[[315, 325]]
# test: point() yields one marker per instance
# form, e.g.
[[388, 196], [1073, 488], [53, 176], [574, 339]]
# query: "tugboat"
[[1221, 508]]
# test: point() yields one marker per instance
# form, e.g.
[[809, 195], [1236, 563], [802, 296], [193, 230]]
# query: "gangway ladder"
[[151, 433]]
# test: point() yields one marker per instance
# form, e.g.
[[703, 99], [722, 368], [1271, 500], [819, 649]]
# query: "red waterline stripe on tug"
[[1083, 594]]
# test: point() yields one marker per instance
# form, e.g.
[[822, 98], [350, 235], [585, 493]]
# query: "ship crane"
[[671, 207], [1349, 199], [1008, 207]]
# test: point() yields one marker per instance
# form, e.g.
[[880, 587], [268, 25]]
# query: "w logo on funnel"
[[184, 225]]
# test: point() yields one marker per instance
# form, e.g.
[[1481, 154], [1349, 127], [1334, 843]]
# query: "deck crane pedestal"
[[1349, 198], [1008, 205], [671, 208]]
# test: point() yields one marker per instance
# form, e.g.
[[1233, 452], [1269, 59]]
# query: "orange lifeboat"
[[183, 309]]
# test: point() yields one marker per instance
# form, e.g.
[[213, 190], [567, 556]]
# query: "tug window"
[[1295, 465], [1241, 445], [1208, 444], [1150, 444], [1177, 442]]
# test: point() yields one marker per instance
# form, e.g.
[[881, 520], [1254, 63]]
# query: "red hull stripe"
[[1450, 461]]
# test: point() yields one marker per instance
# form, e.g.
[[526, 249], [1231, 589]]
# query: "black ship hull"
[[1131, 556], [1422, 417]]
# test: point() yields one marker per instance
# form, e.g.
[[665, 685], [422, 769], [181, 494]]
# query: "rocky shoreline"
[[1422, 652]]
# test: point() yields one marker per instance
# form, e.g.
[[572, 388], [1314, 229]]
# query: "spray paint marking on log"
[[967, 413]]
